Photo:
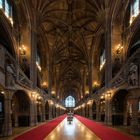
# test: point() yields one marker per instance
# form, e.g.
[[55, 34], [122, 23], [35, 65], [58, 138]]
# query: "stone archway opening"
[[121, 108], [94, 110], [20, 109], [2, 112], [47, 110]]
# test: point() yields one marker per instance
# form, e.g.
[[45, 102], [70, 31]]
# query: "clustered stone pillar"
[[90, 112], [108, 64], [33, 68], [33, 113], [83, 111], [135, 125], [108, 113], [43, 112], [98, 116], [7, 130], [50, 111]]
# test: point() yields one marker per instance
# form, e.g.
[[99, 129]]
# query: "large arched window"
[[135, 8], [6, 7], [70, 102], [102, 59]]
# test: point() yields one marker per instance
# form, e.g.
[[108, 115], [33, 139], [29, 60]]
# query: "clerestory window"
[[6, 7], [135, 9]]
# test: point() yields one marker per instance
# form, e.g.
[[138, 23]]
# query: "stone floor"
[[69, 130], [74, 131]]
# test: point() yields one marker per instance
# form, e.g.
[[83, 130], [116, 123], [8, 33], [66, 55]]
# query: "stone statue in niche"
[[10, 76], [133, 75]]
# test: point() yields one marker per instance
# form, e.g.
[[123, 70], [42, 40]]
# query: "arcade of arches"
[[88, 50]]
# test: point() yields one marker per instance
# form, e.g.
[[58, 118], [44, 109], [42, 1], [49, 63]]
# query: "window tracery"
[[70, 102]]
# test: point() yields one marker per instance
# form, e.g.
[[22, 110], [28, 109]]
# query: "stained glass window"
[[70, 102], [1, 3], [135, 8], [102, 59], [7, 8]]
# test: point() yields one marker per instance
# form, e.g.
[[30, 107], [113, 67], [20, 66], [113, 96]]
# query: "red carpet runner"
[[104, 133], [42, 131]]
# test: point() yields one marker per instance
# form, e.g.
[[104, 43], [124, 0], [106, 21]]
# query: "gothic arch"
[[20, 109], [121, 107]]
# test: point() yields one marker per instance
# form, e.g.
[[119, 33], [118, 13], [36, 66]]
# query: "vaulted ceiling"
[[68, 27]]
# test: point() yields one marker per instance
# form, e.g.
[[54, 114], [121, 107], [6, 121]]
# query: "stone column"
[[83, 111], [108, 64], [135, 125], [98, 116], [58, 111], [90, 78], [90, 112], [50, 112], [43, 112], [125, 114], [108, 113], [7, 129], [33, 68], [33, 114]]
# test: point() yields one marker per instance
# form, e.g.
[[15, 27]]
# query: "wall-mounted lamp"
[[87, 92], [103, 96], [83, 105], [89, 102], [95, 84], [119, 49], [22, 50], [2, 92], [53, 92], [51, 102], [44, 84]]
